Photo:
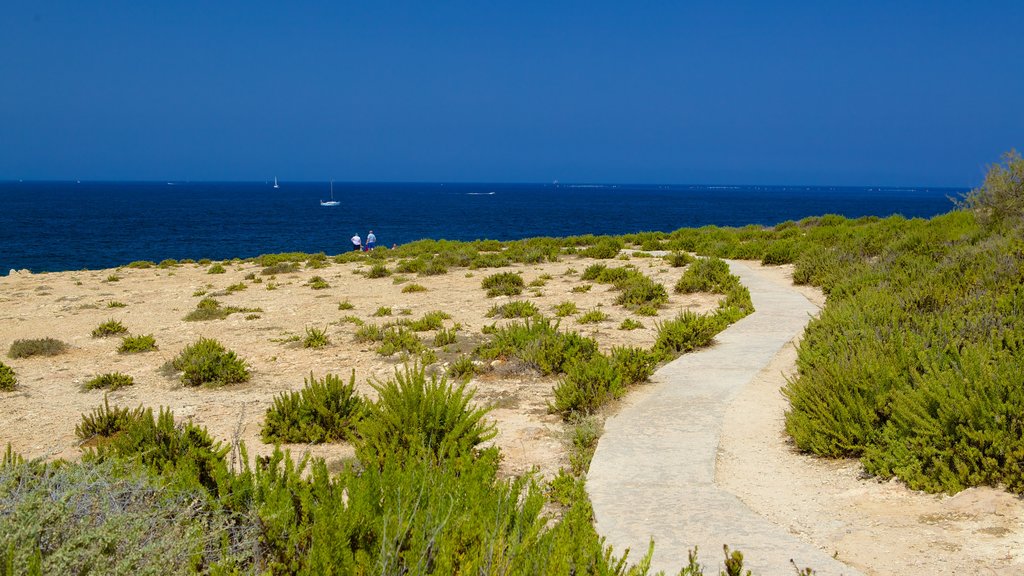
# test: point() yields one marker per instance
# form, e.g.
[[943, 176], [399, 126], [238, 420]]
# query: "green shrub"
[[369, 333], [688, 331], [113, 278], [318, 283], [646, 310], [428, 357], [678, 259], [444, 337], [115, 304], [420, 416], [538, 343], [280, 268], [116, 517], [503, 284], [236, 287], [325, 410], [705, 275], [630, 324], [605, 248], [349, 319], [639, 290], [584, 433], [141, 264], [8, 380], [108, 328], [399, 339], [513, 309], [564, 309], [167, 263], [587, 385], [634, 364], [104, 422], [408, 289], [462, 368], [216, 269], [383, 311], [315, 338], [592, 317], [378, 270], [111, 381], [580, 289], [36, 347], [210, 309], [433, 320], [136, 344], [345, 305], [207, 362], [999, 203]]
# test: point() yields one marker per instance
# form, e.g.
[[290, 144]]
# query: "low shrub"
[[210, 309], [462, 368], [345, 305], [687, 331], [325, 410], [378, 270], [318, 283], [110, 381], [238, 287], [216, 269], [8, 379], [382, 311], [410, 288], [513, 309], [592, 317], [115, 304], [36, 347], [399, 339], [564, 309], [538, 343], [630, 324], [350, 319], [706, 275], [581, 288], [168, 263], [105, 422], [141, 264], [678, 259], [109, 328], [587, 385], [605, 248], [113, 278], [444, 337], [207, 362], [280, 268], [634, 364], [433, 320], [315, 338], [584, 432], [414, 415], [369, 333], [503, 284], [136, 344]]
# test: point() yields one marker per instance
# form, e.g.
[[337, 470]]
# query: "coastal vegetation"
[[109, 381], [27, 348], [136, 344], [208, 362], [8, 379], [325, 410]]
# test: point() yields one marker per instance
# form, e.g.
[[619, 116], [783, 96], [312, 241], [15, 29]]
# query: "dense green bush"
[[606, 247], [110, 381], [399, 339], [325, 410], [705, 275], [36, 347], [635, 364], [378, 270], [513, 309], [315, 337], [635, 289], [678, 259], [317, 283], [136, 344], [216, 269], [207, 362], [105, 421], [8, 380], [108, 328], [587, 385], [539, 343], [415, 416], [687, 331], [503, 284]]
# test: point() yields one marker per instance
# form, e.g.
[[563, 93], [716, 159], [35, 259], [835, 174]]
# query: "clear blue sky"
[[845, 93]]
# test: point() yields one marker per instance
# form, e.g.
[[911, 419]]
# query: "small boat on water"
[[275, 182], [332, 201]]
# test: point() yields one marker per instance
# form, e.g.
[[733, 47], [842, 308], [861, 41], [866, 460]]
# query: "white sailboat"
[[332, 201], [275, 182]]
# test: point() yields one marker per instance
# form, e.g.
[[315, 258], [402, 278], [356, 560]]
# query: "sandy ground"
[[879, 527], [39, 417]]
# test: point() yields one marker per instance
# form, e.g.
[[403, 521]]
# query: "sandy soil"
[[39, 417], [879, 527]]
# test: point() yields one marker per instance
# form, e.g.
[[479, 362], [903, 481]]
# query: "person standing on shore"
[[357, 243], [371, 240]]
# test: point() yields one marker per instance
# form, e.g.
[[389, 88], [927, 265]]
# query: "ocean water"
[[51, 226]]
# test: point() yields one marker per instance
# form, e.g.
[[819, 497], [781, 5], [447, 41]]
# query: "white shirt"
[[355, 240]]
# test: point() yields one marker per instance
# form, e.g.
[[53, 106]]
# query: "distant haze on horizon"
[[915, 94]]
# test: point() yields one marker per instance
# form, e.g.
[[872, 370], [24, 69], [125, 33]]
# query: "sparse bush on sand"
[[109, 328], [110, 381], [207, 362], [36, 347]]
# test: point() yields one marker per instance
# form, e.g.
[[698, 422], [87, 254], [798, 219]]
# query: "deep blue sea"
[[50, 226]]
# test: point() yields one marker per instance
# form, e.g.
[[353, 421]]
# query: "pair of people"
[[357, 242]]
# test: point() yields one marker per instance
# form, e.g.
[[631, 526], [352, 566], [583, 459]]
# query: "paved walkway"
[[653, 474]]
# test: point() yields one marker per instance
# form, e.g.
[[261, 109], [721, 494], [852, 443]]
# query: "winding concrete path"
[[653, 474]]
